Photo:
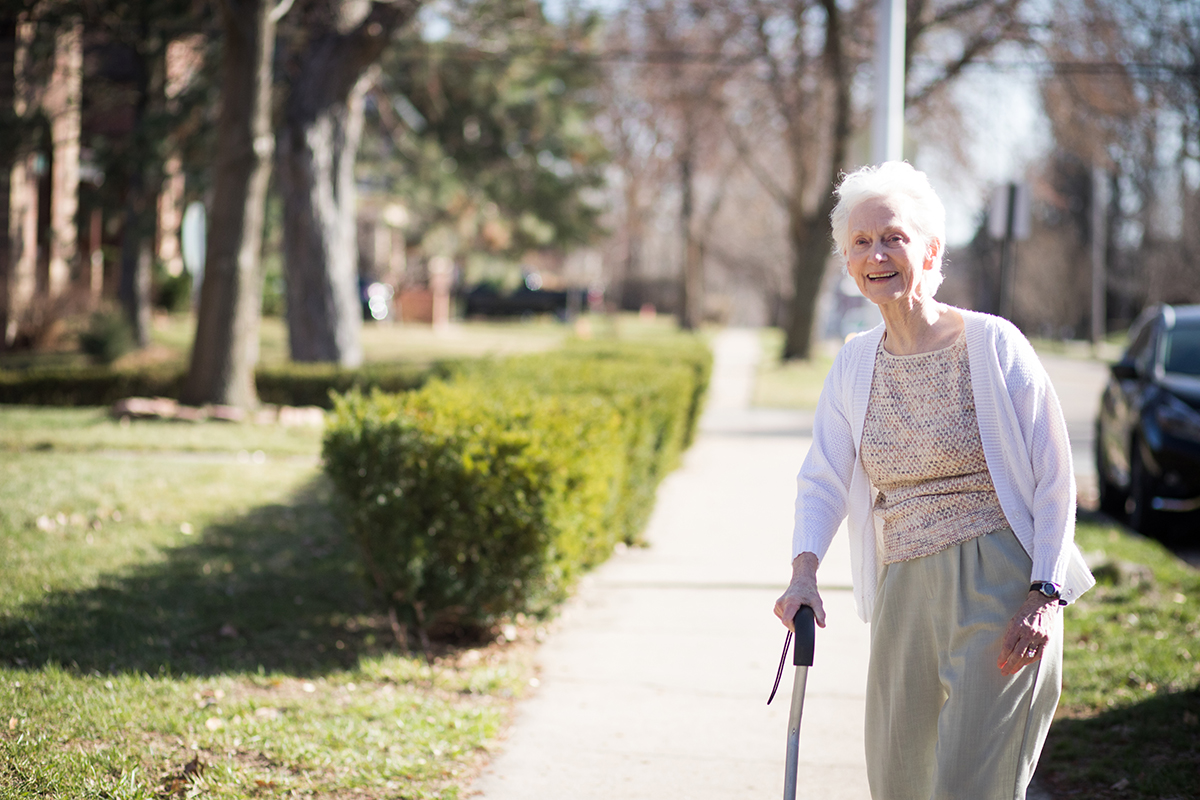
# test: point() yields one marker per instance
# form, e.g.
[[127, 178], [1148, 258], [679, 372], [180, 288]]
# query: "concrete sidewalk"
[[655, 683]]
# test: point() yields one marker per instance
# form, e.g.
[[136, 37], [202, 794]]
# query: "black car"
[[1148, 430]]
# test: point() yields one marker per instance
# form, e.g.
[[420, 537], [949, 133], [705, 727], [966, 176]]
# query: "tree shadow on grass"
[[1149, 749], [278, 589]]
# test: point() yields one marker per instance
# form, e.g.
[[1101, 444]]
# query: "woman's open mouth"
[[881, 276]]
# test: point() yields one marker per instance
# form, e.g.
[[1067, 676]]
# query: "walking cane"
[[806, 634]]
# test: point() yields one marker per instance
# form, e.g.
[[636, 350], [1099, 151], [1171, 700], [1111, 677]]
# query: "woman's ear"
[[932, 251]]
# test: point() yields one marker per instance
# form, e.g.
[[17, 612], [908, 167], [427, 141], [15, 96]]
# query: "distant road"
[[1079, 382]]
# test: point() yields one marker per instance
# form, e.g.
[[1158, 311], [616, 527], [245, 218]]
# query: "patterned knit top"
[[922, 451]]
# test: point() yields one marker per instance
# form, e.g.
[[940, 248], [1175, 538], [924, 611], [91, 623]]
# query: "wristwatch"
[[1048, 589]]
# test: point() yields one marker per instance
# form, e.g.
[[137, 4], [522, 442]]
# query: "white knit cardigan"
[[1024, 440]]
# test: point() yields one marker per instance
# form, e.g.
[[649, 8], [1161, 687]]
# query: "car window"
[[1181, 353], [1141, 352]]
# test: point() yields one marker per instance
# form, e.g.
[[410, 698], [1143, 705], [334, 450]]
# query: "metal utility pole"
[[1008, 221], [887, 132]]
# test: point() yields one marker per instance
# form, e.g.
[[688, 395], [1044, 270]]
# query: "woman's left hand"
[[1028, 633]]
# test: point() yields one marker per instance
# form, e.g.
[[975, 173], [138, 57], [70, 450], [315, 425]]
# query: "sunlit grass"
[[194, 624], [1130, 710], [81, 429], [419, 343], [788, 384]]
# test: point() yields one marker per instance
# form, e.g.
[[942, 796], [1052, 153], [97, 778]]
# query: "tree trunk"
[[809, 233], [225, 351], [317, 146], [137, 253], [8, 52], [144, 179], [809, 257], [316, 176]]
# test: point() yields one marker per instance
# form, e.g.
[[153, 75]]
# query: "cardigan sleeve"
[[823, 485], [1051, 498]]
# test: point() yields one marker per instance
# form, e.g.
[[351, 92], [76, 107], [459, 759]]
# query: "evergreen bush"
[[108, 336], [468, 502], [289, 384], [486, 494]]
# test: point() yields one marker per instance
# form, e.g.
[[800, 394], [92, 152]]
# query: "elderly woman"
[[939, 435]]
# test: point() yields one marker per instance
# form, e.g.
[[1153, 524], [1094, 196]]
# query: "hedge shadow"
[[277, 589], [1149, 749]]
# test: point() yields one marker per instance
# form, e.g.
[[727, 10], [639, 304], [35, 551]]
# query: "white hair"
[[890, 180]]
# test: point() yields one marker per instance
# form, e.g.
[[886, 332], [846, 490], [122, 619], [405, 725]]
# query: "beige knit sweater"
[[922, 451]]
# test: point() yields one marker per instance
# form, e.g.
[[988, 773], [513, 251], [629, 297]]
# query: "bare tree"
[[1125, 98], [332, 47], [809, 54], [225, 350], [672, 123]]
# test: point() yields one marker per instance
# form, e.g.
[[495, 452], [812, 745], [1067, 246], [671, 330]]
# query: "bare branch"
[[760, 173]]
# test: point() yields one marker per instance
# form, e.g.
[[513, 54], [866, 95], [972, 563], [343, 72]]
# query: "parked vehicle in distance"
[[1148, 428], [376, 299]]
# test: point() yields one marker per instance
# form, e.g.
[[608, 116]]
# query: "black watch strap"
[[1048, 589]]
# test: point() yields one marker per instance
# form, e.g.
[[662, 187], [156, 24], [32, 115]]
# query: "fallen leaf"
[[12, 723]]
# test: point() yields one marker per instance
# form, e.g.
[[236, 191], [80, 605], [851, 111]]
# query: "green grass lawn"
[[180, 615], [1128, 724], [788, 384], [171, 340]]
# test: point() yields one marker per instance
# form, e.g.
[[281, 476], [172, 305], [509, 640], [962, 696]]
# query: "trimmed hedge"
[[87, 386], [653, 399], [689, 352], [291, 385], [467, 503], [485, 495], [314, 384]]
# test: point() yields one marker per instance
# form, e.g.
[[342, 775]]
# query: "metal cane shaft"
[[793, 740], [804, 624]]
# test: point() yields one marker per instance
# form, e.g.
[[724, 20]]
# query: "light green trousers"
[[942, 722]]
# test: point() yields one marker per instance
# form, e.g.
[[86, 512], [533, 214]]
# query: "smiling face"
[[886, 257]]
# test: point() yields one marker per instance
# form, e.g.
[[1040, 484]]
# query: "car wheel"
[[1112, 499], [1142, 518]]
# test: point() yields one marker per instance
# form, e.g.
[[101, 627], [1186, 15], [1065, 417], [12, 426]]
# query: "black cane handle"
[[805, 624]]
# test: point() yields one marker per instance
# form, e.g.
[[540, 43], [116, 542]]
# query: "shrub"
[[312, 384], [689, 352], [87, 386], [653, 399], [485, 495], [107, 337], [468, 503], [291, 384], [174, 291]]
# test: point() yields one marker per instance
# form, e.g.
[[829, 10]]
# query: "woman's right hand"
[[802, 591]]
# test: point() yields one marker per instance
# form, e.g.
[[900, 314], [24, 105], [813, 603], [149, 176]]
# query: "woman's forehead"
[[886, 211]]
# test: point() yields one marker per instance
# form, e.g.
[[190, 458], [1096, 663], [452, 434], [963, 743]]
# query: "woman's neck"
[[920, 327]]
